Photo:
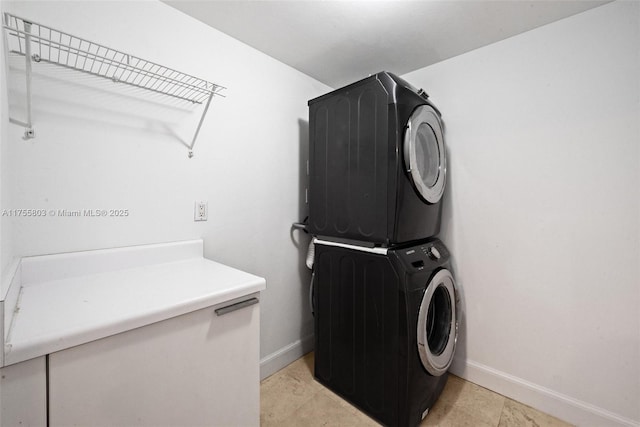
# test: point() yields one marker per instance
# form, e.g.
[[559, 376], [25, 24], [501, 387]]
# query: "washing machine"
[[377, 163], [386, 324]]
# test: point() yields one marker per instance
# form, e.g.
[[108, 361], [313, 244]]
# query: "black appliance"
[[386, 323], [377, 163]]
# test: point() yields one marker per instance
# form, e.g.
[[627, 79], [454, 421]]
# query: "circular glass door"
[[438, 324], [424, 153]]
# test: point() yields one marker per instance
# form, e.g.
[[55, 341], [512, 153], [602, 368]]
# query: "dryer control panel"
[[426, 256]]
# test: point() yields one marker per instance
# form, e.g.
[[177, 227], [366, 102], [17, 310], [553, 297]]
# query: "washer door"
[[438, 323], [424, 153]]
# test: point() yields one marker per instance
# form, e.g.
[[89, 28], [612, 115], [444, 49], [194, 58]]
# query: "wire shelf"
[[40, 43], [60, 48]]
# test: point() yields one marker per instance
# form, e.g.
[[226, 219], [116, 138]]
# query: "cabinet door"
[[23, 394], [196, 369]]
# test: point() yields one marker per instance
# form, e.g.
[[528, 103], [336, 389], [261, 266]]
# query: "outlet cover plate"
[[201, 211]]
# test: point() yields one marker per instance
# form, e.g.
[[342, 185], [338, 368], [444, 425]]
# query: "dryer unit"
[[377, 163], [386, 324]]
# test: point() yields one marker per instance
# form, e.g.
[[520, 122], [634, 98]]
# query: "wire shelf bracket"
[[39, 43]]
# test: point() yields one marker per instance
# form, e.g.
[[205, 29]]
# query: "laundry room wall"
[[542, 212], [5, 243], [101, 146], [5, 221]]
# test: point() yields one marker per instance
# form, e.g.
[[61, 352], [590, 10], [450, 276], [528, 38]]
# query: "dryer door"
[[438, 323], [424, 153]]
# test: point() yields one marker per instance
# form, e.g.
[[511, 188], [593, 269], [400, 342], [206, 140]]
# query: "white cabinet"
[[23, 394], [196, 369], [152, 335]]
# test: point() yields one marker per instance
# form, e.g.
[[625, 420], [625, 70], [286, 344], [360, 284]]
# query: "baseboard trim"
[[559, 405], [279, 359]]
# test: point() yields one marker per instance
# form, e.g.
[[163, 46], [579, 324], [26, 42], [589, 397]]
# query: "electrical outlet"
[[201, 211]]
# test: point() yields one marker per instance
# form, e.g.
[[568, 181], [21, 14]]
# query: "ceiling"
[[338, 42]]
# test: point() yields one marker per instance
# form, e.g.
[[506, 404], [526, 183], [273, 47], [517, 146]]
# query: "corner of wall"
[[275, 361]]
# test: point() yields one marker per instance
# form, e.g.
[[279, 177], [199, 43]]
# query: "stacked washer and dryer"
[[385, 301]]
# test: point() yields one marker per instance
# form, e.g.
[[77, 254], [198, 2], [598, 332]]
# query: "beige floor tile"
[[281, 395], [465, 404], [444, 414], [292, 397], [515, 414], [321, 410], [365, 420], [302, 368]]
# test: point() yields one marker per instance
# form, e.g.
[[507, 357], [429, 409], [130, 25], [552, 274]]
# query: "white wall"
[[4, 117], [100, 146], [5, 221], [542, 213]]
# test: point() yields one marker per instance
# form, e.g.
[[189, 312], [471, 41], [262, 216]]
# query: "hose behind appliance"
[[311, 253]]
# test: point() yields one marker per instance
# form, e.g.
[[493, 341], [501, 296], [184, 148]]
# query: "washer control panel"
[[425, 256], [433, 253]]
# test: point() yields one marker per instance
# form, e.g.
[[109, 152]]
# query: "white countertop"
[[71, 299]]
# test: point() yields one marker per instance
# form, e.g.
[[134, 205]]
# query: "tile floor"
[[291, 397]]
